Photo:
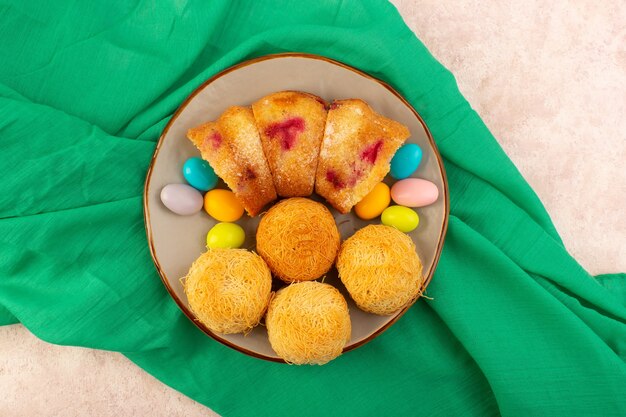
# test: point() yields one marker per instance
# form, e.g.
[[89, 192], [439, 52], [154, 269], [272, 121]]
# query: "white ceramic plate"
[[176, 241]]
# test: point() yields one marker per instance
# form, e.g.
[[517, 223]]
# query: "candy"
[[223, 206], [181, 199], [199, 174], [373, 204], [405, 161], [400, 217], [225, 235], [414, 192]]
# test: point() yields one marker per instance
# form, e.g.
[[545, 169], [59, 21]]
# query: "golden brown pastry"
[[356, 151], [291, 126], [232, 146]]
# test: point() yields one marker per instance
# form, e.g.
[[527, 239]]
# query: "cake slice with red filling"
[[356, 151], [291, 126], [232, 146]]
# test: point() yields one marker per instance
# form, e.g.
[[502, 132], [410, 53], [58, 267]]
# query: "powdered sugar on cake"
[[291, 126], [288, 143], [356, 150], [233, 148]]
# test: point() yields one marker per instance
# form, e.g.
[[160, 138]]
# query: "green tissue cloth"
[[515, 326]]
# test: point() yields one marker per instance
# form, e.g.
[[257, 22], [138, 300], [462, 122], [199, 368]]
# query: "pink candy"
[[414, 192]]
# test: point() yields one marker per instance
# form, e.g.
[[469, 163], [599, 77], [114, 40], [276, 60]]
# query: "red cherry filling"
[[215, 139], [333, 178], [370, 153], [286, 131], [357, 174], [249, 174]]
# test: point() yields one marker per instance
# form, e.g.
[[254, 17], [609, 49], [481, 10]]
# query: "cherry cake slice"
[[356, 151], [232, 146], [291, 127]]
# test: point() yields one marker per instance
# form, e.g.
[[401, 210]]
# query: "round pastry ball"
[[228, 289], [299, 240], [380, 269], [308, 323]]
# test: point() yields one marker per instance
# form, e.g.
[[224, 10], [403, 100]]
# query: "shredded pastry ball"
[[299, 240], [228, 289], [380, 269], [308, 323]]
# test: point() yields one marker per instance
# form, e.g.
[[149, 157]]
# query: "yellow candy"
[[225, 235], [402, 218], [223, 206], [373, 204]]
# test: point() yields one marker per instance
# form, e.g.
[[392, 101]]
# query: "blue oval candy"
[[405, 161], [199, 174]]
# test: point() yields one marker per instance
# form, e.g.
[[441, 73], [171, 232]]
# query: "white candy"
[[182, 199]]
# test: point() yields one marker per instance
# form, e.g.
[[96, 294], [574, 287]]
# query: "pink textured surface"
[[286, 132], [548, 79]]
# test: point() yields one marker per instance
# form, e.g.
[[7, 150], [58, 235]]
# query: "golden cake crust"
[[291, 126], [232, 146], [356, 150]]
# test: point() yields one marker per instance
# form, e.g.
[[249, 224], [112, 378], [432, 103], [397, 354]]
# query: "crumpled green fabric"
[[515, 326]]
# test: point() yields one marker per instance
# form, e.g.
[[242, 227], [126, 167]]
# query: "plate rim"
[[181, 108]]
